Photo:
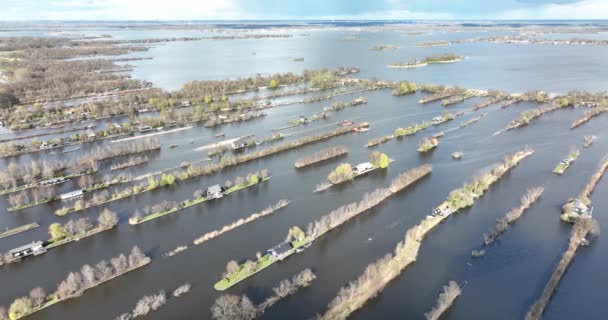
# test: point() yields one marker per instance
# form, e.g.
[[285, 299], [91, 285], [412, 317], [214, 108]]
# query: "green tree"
[[400, 132], [253, 178], [342, 173], [19, 308], [57, 231], [273, 84], [379, 159]]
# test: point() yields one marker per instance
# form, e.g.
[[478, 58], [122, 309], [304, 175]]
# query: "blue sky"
[[301, 9]]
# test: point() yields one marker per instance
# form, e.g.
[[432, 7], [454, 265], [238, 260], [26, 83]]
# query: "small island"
[[438, 59], [384, 47], [565, 164]]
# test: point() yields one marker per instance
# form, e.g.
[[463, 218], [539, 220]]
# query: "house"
[[362, 168], [445, 209], [45, 146], [71, 194], [91, 134], [242, 142], [214, 192], [580, 209], [186, 103], [280, 251], [34, 248], [437, 120], [144, 128]]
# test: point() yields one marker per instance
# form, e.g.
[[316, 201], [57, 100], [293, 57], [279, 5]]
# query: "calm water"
[[501, 285]]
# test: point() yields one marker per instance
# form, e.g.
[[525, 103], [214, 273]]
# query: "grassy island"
[[427, 144], [432, 44], [384, 47], [17, 230], [565, 164], [345, 172], [200, 196], [438, 59], [298, 240]]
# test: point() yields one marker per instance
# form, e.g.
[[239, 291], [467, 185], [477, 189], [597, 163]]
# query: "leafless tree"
[[232, 307], [149, 303], [88, 275], [445, 300], [37, 295], [181, 290], [137, 258], [103, 270], [107, 218], [71, 286], [120, 264]]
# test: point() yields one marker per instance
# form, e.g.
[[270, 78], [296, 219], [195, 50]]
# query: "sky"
[[302, 9]]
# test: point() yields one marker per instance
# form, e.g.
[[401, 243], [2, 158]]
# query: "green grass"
[[261, 264], [191, 202], [96, 230], [19, 229]]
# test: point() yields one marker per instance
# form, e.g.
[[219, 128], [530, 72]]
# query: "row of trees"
[[346, 212], [233, 307], [77, 283], [502, 224], [147, 304], [450, 292], [106, 220], [321, 155]]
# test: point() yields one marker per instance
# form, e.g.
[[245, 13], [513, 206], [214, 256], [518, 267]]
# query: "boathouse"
[[362, 168], [34, 248], [280, 251], [214, 192]]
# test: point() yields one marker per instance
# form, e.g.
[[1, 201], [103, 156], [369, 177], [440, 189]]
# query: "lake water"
[[501, 285]]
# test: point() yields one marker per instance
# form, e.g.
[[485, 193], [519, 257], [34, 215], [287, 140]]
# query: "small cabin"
[[437, 120], [280, 251], [445, 209], [214, 192], [71, 194], [144, 128], [34, 248], [579, 208], [45, 145], [362, 167], [242, 143]]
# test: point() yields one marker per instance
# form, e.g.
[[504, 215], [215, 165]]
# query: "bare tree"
[[232, 307], [149, 303], [137, 258], [120, 264], [445, 300], [71, 286], [103, 270], [37, 295], [88, 275], [107, 218]]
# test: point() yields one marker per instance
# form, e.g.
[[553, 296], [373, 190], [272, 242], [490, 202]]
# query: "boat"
[[361, 129], [345, 123], [173, 146], [66, 150], [219, 135], [457, 155]]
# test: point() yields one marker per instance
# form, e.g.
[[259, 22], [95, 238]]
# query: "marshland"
[[175, 84]]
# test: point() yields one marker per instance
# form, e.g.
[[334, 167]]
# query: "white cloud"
[[586, 9]]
